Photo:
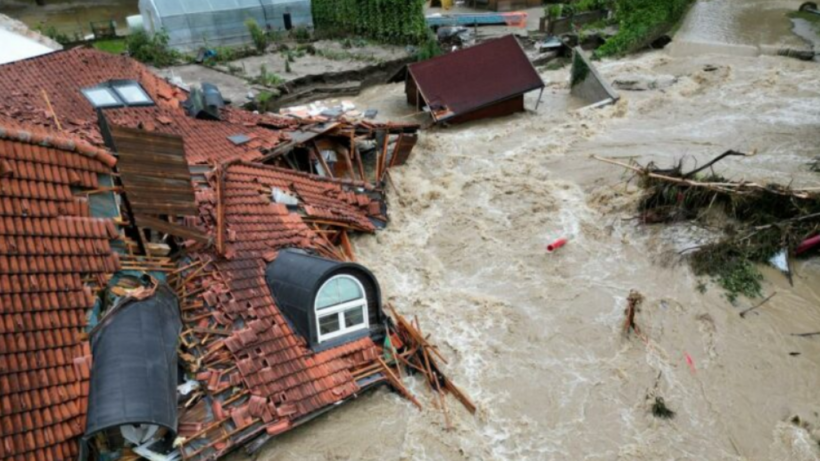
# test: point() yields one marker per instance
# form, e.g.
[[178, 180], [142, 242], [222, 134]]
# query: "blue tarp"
[[467, 19]]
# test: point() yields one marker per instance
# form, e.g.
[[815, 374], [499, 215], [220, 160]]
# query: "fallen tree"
[[764, 221]]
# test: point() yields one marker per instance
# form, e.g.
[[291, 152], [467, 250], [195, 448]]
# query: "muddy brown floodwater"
[[535, 338]]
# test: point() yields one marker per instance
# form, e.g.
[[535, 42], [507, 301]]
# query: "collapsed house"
[[145, 230], [486, 80]]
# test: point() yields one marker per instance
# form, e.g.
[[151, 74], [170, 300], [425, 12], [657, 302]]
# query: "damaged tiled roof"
[[260, 375], [206, 141], [48, 244], [58, 78], [282, 379], [322, 199]]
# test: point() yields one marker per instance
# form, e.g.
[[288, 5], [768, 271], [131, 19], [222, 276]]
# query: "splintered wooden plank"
[[404, 146], [154, 172], [170, 228]]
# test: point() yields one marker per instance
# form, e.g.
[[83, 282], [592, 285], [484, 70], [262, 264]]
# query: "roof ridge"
[[61, 142]]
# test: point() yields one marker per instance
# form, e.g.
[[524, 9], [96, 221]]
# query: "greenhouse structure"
[[192, 24]]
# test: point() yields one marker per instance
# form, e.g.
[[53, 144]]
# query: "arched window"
[[341, 307]]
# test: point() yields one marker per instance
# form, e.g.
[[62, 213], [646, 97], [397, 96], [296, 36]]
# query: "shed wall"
[[499, 109], [412, 92]]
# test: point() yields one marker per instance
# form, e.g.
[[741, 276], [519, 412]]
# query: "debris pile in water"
[[634, 300], [764, 223]]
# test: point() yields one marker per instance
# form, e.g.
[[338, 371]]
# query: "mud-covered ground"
[[535, 338]]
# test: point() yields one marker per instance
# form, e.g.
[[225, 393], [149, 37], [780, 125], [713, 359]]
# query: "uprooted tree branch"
[[763, 220]]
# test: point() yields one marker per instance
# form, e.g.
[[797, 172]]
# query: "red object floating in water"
[[556, 245], [808, 244], [690, 362]]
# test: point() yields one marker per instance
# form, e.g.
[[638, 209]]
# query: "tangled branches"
[[762, 220]]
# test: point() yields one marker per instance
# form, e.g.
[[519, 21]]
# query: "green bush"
[[641, 21], [591, 5], [264, 100], [554, 11], [258, 35], [302, 34], [429, 49], [580, 70], [152, 49], [266, 78], [391, 21]]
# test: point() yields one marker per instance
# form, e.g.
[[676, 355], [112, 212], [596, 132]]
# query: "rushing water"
[[536, 339], [740, 27], [740, 22]]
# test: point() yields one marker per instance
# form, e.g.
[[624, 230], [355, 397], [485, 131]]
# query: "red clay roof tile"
[[64, 74], [46, 243], [49, 241]]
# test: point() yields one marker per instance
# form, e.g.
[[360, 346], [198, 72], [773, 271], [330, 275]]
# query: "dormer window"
[[341, 307], [327, 302]]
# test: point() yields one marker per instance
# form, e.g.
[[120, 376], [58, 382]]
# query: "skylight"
[[117, 93], [132, 94], [102, 97]]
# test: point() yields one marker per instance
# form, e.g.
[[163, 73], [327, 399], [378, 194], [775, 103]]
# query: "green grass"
[[813, 19], [113, 46], [640, 21]]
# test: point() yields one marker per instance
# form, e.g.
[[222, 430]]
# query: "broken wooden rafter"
[[166, 227], [414, 339], [397, 384], [437, 385], [726, 187], [633, 307]]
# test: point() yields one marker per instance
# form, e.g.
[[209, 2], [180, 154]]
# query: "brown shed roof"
[[476, 77]]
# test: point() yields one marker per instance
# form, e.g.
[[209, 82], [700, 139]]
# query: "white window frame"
[[339, 310]]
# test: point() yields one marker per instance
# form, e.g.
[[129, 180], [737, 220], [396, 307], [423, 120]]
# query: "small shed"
[[192, 24], [487, 80]]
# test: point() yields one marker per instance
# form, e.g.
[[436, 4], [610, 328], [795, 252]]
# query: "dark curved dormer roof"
[[295, 278], [134, 374]]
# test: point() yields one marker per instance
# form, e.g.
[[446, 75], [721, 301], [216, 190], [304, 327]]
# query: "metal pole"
[[539, 99]]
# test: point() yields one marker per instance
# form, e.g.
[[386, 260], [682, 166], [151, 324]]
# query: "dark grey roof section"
[[134, 375], [205, 102], [295, 278]]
